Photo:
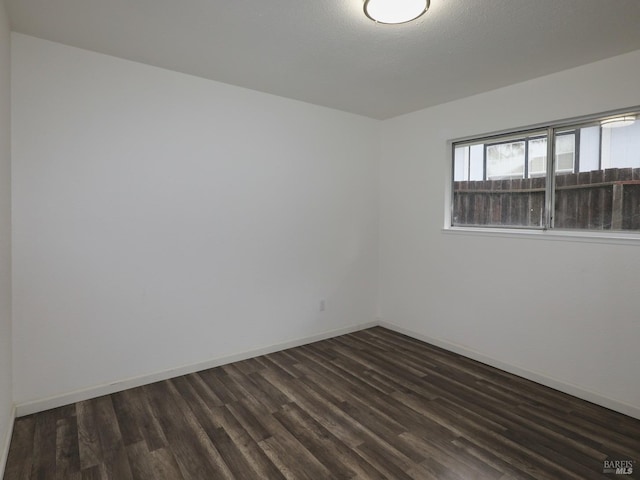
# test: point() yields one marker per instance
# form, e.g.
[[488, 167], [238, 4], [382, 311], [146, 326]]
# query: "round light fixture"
[[394, 11], [618, 121]]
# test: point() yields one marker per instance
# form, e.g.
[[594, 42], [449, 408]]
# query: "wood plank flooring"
[[371, 405]]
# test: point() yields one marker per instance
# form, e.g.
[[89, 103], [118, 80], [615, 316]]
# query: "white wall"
[[6, 401], [163, 220], [565, 312]]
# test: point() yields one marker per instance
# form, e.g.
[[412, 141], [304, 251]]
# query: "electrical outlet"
[[323, 305]]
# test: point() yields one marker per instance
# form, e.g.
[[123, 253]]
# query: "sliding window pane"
[[605, 193], [496, 193]]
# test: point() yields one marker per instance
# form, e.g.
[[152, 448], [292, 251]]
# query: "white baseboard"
[[40, 405], [27, 408], [4, 446], [574, 390]]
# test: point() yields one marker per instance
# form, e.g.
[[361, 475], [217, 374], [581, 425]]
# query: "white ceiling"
[[328, 53]]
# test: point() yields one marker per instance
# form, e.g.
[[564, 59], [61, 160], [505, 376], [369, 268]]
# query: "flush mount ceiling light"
[[618, 121], [394, 11]]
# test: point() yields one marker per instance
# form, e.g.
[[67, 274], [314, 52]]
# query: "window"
[[503, 181]]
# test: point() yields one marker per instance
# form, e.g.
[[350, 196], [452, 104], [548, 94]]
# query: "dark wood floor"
[[370, 405]]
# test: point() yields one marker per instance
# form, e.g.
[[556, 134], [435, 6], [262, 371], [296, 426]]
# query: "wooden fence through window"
[[597, 200]]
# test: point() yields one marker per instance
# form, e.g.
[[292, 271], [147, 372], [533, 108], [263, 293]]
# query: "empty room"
[[355, 239]]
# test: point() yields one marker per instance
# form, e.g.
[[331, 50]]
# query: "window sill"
[[611, 238]]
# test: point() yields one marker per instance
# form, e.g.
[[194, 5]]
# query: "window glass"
[[565, 152], [621, 146], [498, 190], [461, 164], [476, 162], [605, 193], [537, 157], [589, 149], [469, 162], [501, 181], [505, 160]]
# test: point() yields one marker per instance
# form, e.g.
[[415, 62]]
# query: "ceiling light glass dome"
[[395, 11]]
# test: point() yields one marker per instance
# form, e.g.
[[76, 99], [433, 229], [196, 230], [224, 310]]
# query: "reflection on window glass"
[[505, 160], [589, 148], [537, 157], [476, 162], [461, 163], [621, 146], [468, 163], [565, 152]]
